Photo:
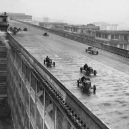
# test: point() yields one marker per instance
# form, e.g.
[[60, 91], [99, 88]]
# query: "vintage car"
[[88, 71], [14, 30], [85, 84], [48, 62], [45, 34], [25, 29], [92, 51]]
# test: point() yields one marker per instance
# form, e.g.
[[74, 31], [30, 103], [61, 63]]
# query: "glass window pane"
[[49, 112]]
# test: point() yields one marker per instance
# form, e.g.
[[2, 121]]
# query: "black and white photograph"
[[64, 64]]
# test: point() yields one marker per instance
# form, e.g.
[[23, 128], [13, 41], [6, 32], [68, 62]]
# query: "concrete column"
[[128, 47], [101, 36], [121, 37], [44, 108], [128, 38], [118, 45], [125, 46], [109, 36], [55, 116], [121, 46]]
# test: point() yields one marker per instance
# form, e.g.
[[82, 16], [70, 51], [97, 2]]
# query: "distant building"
[[45, 24], [19, 16], [46, 19], [118, 39], [3, 22], [53, 25], [88, 29], [35, 22], [106, 26], [58, 25]]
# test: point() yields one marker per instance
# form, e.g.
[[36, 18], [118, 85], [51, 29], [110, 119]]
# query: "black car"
[[45, 34]]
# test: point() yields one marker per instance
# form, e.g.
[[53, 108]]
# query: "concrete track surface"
[[111, 101]]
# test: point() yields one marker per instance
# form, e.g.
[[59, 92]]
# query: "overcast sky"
[[73, 11]]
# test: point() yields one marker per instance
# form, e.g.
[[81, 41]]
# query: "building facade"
[[3, 22], [88, 29], [19, 16], [53, 25], [106, 26], [118, 39]]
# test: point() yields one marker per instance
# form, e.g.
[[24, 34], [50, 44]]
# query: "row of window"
[[113, 36]]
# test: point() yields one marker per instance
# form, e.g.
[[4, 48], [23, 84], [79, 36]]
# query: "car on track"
[[91, 50], [48, 62], [45, 34], [25, 29], [85, 85], [88, 71]]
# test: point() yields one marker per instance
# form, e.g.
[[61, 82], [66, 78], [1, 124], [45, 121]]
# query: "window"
[[40, 92], [39, 120], [33, 81]]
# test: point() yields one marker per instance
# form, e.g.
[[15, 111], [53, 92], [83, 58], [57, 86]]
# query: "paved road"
[[111, 102]]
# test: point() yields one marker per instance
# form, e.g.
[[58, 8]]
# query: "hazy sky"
[[73, 11]]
